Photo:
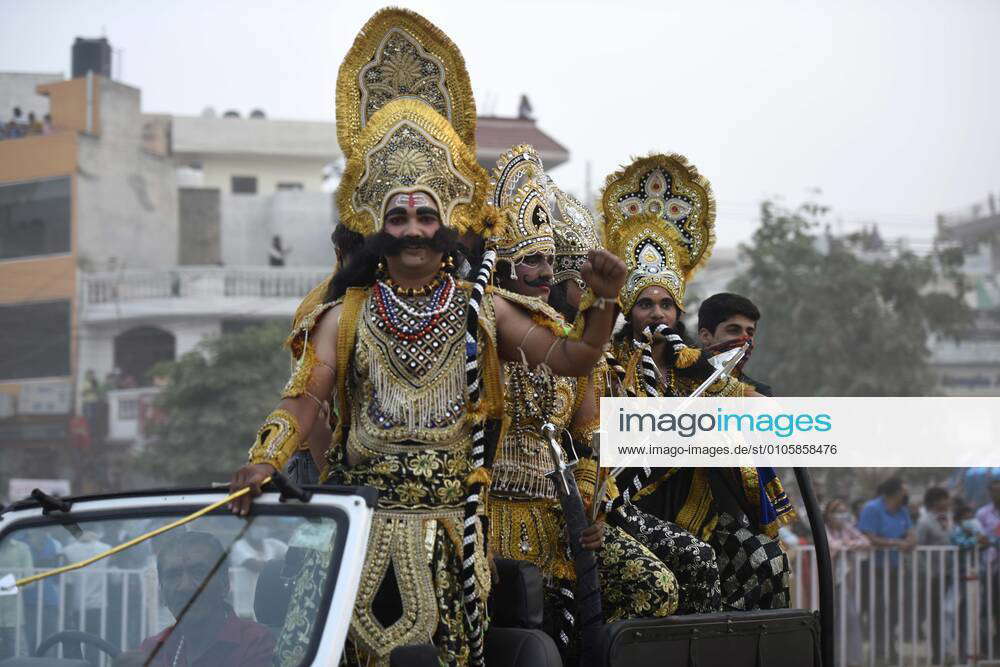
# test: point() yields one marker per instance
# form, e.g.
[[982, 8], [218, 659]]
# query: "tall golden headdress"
[[659, 218], [575, 233], [519, 193], [400, 54], [406, 120]]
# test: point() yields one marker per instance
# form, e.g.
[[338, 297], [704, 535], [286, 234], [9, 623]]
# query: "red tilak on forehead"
[[412, 200]]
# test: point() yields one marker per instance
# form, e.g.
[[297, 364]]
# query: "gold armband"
[[277, 439], [586, 478]]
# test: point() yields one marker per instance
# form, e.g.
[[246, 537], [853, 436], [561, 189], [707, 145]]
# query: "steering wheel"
[[76, 636]]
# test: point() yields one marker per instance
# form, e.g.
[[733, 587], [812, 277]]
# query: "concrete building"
[[83, 196], [105, 263], [253, 156], [971, 367]]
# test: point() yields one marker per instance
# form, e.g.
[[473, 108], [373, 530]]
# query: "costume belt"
[[417, 480], [531, 530]]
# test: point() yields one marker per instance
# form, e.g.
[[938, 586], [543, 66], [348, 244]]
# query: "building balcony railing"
[[195, 290]]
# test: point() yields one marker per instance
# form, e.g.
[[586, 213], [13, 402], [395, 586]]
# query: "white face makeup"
[[411, 200]]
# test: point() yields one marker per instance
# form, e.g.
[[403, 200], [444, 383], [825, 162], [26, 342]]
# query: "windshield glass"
[[221, 590]]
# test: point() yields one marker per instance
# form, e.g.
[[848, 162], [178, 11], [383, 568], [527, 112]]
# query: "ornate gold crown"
[[518, 191], [400, 54], [659, 218], [575, 233], [405, 146]]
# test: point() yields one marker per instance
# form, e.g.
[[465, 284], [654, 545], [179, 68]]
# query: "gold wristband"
[[277, 439]]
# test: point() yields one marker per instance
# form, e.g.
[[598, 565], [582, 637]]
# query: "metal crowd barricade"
[[934, 605]]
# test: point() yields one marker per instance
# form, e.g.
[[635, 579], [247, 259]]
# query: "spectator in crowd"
[[14, 127], [194, 584], [34, 125], [90, 397], [934, 528], [844, 538], [967, 533], [47, 125], [886, 521], [277, 253], [15, 557], [934, 525], [975, 482], [988, 517]]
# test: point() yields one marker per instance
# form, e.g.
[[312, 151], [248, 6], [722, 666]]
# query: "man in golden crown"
[[659, 216], [691, 560], [526, 519], [408, 355]]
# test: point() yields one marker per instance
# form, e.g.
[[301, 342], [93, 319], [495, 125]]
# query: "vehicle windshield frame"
[[269, 504]]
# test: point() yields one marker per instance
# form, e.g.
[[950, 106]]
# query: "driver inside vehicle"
[[194, 584]]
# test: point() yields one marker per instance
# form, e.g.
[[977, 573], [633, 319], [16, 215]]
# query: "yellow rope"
[[137, 540]]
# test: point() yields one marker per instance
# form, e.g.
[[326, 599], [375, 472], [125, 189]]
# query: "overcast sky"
[[892, 109]]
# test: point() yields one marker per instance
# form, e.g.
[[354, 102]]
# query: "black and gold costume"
[[417, 374], [526, 520], [659, 217]]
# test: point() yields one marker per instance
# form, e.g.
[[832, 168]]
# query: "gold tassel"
[[687, 357], [480, 475]]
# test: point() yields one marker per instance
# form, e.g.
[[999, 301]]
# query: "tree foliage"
[[214, 400], [845, 316]]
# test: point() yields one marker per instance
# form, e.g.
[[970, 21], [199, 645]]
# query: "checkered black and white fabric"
[[753, 568]]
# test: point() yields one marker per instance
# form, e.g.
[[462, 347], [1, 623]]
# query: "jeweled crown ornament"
[[518, 192], [659, 218], [574, 230]]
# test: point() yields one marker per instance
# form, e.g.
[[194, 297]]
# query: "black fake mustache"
[[393, 245], [539, 282]]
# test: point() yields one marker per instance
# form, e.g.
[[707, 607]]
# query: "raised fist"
[[604, 273]]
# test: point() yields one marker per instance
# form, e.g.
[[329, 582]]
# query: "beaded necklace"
[[389, 304]]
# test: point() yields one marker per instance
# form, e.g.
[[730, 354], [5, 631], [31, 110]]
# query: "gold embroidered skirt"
[[532, 530], [417, 531]]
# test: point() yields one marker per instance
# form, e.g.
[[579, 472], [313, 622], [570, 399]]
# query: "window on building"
[[244, 185], [35, 218], [290, 186], [138, 350], [35, 338]]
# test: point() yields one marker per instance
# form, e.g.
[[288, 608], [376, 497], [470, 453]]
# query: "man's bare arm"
[[516, 332], [304, 408]]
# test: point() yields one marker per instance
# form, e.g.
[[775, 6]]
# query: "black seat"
[[517, 647], [505, 647], [414, 655], [515, 637], [272, 594], [517, 600], [766, 638]]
